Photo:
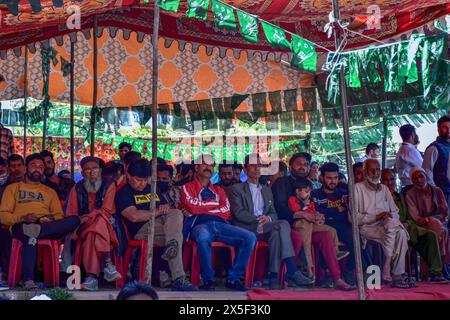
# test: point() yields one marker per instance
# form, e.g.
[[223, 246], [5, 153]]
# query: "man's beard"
[[49, 172], [331, 186], [445, 136], [34, 176], [228, 183], [92, 186], [374, 180], [299, 174]]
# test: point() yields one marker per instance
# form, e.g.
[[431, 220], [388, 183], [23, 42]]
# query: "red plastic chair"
[[117, 261], [131, 247], [190, 251], [48, 253], [251, 267]]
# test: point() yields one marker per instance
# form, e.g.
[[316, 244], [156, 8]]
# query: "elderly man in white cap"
[[428, 207], [379, 221]]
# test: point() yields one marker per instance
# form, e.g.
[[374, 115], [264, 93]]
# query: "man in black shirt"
[[133, 206]]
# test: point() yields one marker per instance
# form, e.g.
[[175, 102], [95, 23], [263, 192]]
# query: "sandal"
[[401, 283]]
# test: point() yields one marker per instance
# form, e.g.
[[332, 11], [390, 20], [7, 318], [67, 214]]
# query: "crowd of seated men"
[[299, 208]]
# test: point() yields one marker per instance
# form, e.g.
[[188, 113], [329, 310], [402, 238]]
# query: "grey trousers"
[[280, 243]]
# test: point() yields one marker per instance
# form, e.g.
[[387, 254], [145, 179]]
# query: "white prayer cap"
[[414, 170]]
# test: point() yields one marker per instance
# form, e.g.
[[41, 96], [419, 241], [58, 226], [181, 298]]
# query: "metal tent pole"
[[148, 273], [25, 100], [72, 98], [384, 144], [348, 158], [48, 70], [95, 87]]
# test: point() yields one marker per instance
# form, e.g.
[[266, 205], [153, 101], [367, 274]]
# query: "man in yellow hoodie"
[[33, 211]]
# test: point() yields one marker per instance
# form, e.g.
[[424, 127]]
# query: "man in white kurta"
[[379, 221]]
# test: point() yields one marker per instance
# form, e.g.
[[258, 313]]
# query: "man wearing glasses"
[[92, 199]]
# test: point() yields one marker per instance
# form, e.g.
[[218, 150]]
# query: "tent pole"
[[151, 229], [44, 131], [72, 98], [348, 158], [25, 100], [95, 89], [384, 144]]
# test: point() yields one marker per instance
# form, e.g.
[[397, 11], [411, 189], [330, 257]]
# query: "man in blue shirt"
[[331, 201]]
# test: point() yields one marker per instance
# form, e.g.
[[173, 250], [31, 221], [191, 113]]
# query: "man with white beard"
[[379, 221], [92, 200]]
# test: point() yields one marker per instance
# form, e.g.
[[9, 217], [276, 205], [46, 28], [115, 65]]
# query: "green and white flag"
[[198, 9], [276, 36], [357, 115], [169, 5], [304, 55], [223, 15], [249, 26]]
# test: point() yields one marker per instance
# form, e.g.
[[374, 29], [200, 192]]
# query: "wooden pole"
[[95, 87], [72, 100], [25, 100], [348, 158], [148, 273]]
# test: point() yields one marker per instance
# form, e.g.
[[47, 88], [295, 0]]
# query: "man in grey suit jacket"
[[252, 208]]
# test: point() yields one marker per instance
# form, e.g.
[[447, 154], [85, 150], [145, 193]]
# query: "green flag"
[[368, 62], [330, 118], [223, 15], [272, 122], [304, 55], [169, 5], [276, 36], [198, 9], [397, 106], [249, 26], [138, 145], [372, 111], [315, 121], [299, 120], [386, 108], [357, 116], [352, 71]]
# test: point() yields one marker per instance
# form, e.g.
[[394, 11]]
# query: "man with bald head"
[[378, 218], [424, 241]]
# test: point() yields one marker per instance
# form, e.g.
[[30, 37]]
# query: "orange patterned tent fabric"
[[380, 19], [125, 71]]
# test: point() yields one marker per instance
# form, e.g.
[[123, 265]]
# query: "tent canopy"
[[20, 25]]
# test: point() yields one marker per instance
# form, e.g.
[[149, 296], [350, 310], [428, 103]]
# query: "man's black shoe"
[[274, 284], [208, 285], [236, 285]]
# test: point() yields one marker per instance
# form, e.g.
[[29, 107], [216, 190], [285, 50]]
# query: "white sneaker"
[[111, 274]]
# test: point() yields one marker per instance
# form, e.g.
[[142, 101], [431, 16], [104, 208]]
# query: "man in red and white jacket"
[[208, 219]]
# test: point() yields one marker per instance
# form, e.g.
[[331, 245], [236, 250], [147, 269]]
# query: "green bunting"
[[276, 36], [304, 55], [198, 9], [330, 118], [372, 111], [357, 115], [169, 5], [386, 108], [223, 15], [368, 62], [249, 26], [314, 121], [351, 70]]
